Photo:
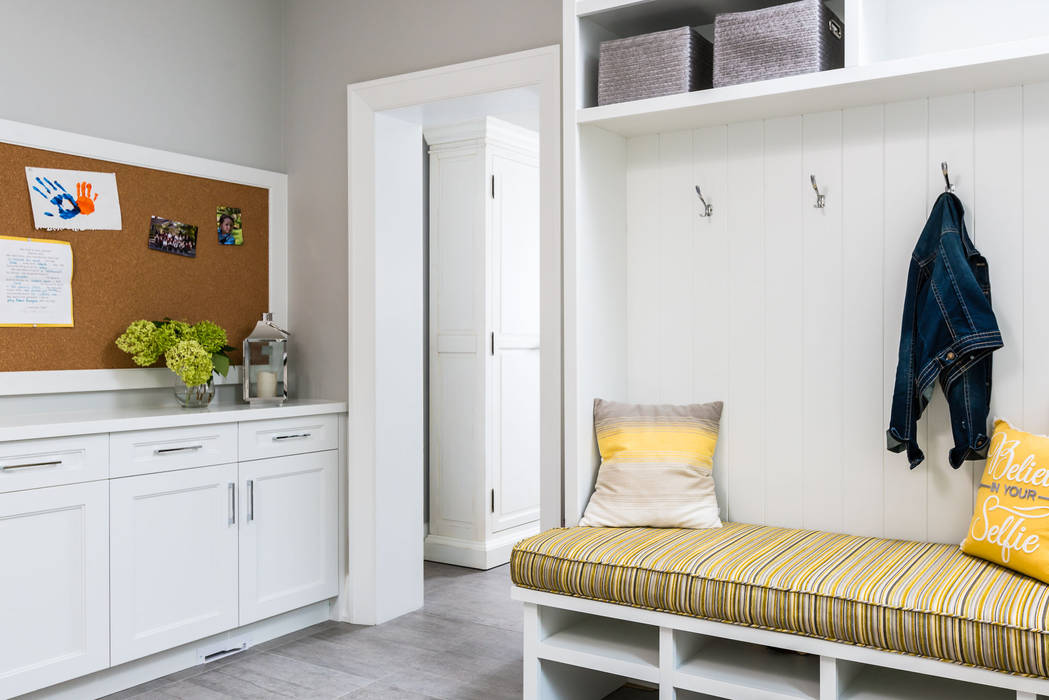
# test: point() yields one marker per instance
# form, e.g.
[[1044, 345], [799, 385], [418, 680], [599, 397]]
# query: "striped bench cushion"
[[919, 598]]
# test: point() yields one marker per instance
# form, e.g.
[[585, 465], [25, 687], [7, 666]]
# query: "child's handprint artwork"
[[83, 198], [95, 205], [65, 206]]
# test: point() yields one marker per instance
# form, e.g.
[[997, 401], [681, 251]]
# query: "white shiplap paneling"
[[784, 284], [863, 388], [710, 352], [744, 407], [795, 312]]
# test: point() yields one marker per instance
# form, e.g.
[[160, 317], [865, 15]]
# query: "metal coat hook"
[[708, 209], [946, 177], [821, 199]]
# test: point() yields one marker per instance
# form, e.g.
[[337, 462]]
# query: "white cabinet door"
[[514, 273], [54, 584], [174, 558], [458, 342], [288, 533]]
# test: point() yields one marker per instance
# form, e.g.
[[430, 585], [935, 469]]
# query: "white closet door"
[[458, 346], [289, 533], [174, 558], [514, 270], [54, 584]]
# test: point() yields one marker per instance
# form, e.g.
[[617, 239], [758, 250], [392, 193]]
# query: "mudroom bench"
[[751, 611]]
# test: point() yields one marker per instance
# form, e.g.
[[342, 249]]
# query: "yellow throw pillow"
[[1011, 523], [656, 466]]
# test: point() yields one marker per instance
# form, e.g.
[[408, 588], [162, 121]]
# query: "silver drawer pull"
[[296, 436], [171, 450], [55, 463]]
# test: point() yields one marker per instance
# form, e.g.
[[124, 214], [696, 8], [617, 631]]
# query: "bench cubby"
[[578, 649]]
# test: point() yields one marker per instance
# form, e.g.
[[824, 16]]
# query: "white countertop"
[[26, 426]]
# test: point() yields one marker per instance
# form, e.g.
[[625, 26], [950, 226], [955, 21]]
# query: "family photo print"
[[175, 237]]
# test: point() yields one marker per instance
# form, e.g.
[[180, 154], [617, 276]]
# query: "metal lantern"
[[266, 363]]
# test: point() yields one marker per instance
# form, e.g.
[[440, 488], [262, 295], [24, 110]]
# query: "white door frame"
[[370, 578]]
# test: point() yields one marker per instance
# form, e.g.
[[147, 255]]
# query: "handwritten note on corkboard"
[[118, 279]]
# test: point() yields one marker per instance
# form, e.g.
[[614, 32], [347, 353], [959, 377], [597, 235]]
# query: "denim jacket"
[[949, 331]]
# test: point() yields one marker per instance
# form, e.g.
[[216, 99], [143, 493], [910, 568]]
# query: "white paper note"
[[75, 200], [36, 282]]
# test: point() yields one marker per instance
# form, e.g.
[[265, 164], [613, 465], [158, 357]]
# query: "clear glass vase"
[[194, 396]]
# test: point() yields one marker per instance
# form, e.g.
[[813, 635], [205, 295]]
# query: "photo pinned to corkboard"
[[229, 226], [169, 236]]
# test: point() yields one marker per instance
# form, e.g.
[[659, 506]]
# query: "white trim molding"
[[31, 136], [371, 589]]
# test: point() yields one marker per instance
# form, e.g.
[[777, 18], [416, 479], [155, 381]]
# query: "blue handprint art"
[[52, 190]]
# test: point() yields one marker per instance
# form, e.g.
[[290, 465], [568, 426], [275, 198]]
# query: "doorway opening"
[[455, 322]]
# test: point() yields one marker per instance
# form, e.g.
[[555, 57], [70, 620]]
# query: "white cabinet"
[[288, 533], [54, 584], [484, 341], [120, 539], [174, 558]]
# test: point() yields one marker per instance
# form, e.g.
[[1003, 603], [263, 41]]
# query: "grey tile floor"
[[465, 644]]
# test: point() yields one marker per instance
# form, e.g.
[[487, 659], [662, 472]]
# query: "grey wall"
[[192, 76], [332, 43]]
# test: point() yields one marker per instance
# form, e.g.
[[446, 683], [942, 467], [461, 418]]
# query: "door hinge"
[[491, 343], [493, 500], [493, 185]]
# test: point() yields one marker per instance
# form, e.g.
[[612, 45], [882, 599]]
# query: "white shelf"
[[605, 644], [737, 669], [980, 68], [874, 683], [632, 17]]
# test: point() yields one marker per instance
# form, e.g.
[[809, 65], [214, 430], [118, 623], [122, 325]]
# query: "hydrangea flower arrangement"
[[191, 352]]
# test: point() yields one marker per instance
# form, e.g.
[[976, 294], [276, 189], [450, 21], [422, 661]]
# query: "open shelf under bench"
[[575, 649]]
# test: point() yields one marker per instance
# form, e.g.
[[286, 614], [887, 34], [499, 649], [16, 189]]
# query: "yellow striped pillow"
[[656, 466]]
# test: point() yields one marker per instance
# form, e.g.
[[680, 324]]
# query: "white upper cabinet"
[[174, 558], [54, 584], [288, 533]]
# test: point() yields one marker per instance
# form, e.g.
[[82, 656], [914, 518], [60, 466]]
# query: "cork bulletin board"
[[117, 278]]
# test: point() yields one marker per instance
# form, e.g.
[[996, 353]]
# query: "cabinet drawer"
[[288, 436], [31, 464], [167, 449]]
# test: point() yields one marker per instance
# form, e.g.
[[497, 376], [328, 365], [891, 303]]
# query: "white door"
[[288, 533], [174, 558], [458, 343], [54, 585], [514, 271]]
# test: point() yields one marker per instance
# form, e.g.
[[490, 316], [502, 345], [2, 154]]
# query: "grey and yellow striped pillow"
[[656, 466]]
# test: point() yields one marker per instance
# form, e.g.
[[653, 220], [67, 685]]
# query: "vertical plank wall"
[[791, 314]]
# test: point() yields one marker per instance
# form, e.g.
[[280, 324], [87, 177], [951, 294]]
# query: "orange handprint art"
[[83, 197]]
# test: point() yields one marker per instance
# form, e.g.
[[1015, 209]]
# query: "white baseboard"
[[476, 555], [132, 673]]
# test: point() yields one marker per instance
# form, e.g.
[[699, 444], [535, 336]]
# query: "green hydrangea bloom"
[[165, 337], [140, 341], [210, 335], [190, 361]]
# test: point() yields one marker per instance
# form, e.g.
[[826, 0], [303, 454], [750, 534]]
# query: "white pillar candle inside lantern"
[[266, 363], [266, 384]]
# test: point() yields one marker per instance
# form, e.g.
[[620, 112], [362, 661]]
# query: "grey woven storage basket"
[[651, 65], [773, 42]]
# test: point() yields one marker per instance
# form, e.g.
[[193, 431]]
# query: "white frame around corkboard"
[[67, 381]]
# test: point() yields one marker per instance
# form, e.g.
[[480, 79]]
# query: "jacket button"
[[950, 356]]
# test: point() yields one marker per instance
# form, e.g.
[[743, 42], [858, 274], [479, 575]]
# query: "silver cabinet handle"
[[251, 500], [296, 436], [5, 467], [171, 450], [232, 504]]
